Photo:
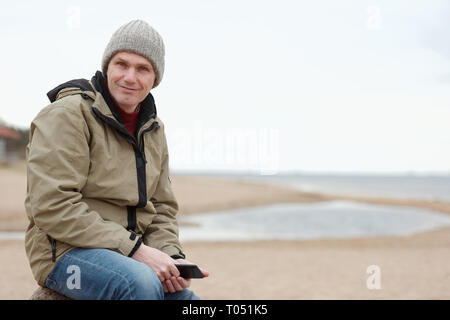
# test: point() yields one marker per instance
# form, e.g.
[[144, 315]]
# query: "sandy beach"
[[411, 267]]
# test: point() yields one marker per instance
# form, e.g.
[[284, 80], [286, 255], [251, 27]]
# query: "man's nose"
[[130, 75]]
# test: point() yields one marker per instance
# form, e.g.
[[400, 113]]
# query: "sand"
[[410, 267]]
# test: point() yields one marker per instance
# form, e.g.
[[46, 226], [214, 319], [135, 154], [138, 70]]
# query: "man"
[[99, 198]]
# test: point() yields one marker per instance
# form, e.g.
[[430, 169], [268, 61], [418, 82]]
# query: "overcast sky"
[[269, 86]]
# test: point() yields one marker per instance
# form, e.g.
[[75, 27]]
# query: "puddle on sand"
[[331, 219]]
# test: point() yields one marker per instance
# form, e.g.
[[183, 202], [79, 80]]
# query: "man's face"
[[130, 79]]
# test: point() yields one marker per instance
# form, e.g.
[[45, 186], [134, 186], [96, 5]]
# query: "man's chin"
[[126, 105]]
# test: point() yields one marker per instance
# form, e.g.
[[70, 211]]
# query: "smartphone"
[[189, 271]]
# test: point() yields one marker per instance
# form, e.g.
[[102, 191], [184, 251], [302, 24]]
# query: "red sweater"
[[130, 120]]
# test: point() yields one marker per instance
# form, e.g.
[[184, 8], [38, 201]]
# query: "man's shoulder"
[[71, 109], [71, 104], [71, 96]]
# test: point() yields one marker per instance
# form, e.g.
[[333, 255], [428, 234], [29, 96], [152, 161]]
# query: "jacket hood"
[[81, 84]]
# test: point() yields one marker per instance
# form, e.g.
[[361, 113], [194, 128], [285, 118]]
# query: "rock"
[[47, 294]]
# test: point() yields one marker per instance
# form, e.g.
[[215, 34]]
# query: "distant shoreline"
[[256, 173]]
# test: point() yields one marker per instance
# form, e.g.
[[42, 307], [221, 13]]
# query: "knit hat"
[[139, 37]]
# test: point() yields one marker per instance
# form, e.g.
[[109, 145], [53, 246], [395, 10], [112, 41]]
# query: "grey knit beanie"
[[139, 37]]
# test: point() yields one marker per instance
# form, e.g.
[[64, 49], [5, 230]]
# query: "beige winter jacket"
[[91, 184]]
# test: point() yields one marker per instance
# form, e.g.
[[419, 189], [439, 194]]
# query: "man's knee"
[[145, 285]]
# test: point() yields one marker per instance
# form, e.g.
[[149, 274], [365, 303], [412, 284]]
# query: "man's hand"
[[164, 267], [158, 261], [178, 283]]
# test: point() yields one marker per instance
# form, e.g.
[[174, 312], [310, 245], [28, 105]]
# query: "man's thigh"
[[103, 274]]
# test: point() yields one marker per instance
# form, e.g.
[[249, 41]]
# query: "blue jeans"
[[102, 274]]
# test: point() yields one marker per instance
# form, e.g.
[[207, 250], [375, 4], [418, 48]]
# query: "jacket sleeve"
[[57, 169], [163, 231]]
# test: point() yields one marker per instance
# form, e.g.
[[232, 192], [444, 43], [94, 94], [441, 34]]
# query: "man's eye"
[[144, 68], [120, 63]]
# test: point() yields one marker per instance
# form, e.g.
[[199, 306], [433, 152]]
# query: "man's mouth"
[[127, 89]]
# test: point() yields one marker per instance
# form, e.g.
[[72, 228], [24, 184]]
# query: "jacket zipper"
[[141, 167], [141, 162]]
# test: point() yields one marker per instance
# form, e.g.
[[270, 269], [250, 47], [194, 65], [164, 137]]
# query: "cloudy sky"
[[269, 86]]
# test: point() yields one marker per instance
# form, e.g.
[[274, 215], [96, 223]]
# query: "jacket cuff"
[[180, 255], [136, 247], [129, 244]]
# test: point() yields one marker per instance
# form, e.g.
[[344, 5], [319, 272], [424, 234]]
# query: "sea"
[[400, 186]]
